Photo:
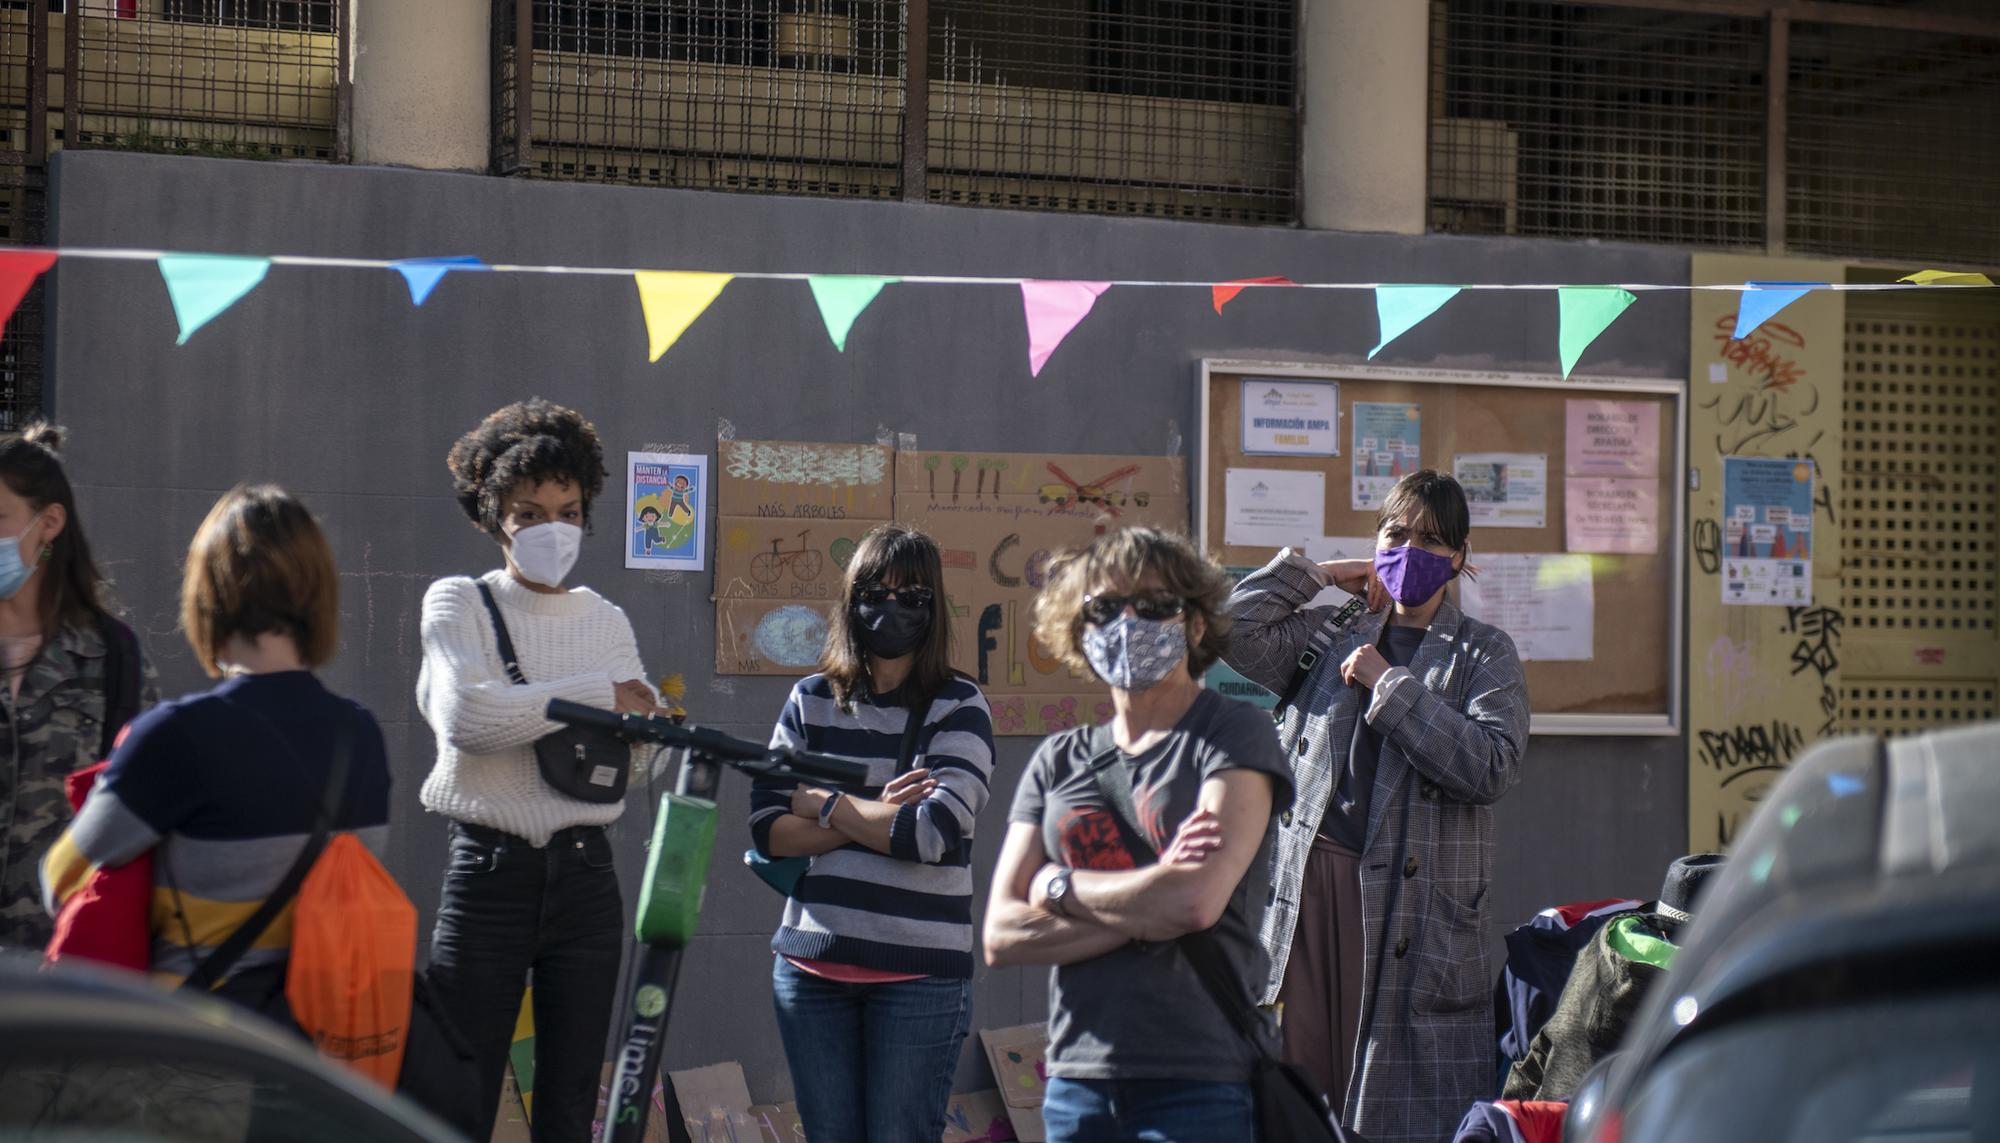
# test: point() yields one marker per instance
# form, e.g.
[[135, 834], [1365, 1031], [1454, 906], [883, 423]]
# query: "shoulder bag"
[[579, 762]]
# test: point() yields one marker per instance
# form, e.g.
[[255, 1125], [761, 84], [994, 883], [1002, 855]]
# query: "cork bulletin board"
[[1630, 681]]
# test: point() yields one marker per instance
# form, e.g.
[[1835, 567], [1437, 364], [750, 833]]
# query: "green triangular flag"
[[1398, 308], [841, 299], [203, 285], [1586, 312]]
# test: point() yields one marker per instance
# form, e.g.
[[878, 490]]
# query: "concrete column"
[[423, 83], [1365, 116]]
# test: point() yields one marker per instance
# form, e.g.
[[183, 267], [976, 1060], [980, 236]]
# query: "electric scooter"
[[676, 874]]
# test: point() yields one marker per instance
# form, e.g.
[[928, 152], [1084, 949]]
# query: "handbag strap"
[[122, 681], [1322, 638], [1114, 784], [218, 963], [507, 655]]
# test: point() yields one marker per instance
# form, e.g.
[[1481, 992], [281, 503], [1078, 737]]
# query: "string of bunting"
[[201, 287]]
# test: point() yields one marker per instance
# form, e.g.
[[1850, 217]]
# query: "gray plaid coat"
[[1453, 726]]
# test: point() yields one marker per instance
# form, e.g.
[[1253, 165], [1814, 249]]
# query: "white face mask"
[[545, 552]]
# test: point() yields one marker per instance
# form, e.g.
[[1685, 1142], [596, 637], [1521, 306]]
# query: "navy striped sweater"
[[909, 910]]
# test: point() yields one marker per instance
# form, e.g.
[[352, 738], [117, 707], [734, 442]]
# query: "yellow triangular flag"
[[1946, 278], [672, 300]]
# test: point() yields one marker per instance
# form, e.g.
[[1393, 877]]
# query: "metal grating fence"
[[1568, 121], [1170, 108], [246, 78], [780, 96], [1177, 108], [1894, 144]]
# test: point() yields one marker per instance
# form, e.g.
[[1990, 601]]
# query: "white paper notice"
[[1291, 418], [1505, 489], [1544, 602], [1272, 507]]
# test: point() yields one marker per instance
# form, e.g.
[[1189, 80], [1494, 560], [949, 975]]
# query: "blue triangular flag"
[[1398, 308], [1763, 300], [203, 285], [423, 274]]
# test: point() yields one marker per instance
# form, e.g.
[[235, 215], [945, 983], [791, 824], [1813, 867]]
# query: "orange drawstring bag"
[[354, 954]]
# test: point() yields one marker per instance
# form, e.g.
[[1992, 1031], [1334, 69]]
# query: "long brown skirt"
[[1320, 998]]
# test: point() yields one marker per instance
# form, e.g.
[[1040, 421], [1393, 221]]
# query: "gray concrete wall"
[[331, 383]]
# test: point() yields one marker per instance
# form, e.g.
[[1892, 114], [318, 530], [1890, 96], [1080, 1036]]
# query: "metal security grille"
[[782, 96], [253, 78], [1570, 121], [1895, 144], [1179, 108], [1920, 506], [1167, 108]]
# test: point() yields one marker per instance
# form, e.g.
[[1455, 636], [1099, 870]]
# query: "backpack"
[[354, 955]]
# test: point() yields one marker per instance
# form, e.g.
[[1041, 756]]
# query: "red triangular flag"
[[1229, 290], [18, 271]]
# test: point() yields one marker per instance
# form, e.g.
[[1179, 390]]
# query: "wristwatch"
[[1058, 893], [826, 810]]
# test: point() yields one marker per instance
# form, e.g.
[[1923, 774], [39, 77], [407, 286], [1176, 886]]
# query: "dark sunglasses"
[[1155, 605], [875, 594]]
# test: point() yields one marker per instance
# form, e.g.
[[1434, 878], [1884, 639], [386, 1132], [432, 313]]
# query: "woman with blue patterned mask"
[[1139, 1049]]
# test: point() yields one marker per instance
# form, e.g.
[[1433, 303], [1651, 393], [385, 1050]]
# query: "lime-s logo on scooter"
[[650, 1001]]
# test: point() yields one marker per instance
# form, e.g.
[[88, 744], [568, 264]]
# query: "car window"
[[104, 1093], [1908, 1070]]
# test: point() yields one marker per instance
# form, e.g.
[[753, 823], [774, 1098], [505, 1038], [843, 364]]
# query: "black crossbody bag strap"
[[122, 681], [1114, 784], [218, 963], [507, 654], [1314, 652], [906, 753]]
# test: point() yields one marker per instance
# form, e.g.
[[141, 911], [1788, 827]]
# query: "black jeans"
[[509, 908]]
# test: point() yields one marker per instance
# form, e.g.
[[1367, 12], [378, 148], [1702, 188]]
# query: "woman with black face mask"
[[873, 974]]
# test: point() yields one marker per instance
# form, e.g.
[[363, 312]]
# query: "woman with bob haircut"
[[530, 884], [1406, 727], [1138, 1048], [66, 663], [225, 786], [872, 977]]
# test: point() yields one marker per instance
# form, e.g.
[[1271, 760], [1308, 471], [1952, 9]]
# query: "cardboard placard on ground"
[[511, 1125], [778, 1122], [803, 480], [977, 1117], [998, 519], [710, 1097], [1017, 1057], [656, 1114]]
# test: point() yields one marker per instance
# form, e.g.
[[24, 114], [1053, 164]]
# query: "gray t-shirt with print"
[[1139, 1011]]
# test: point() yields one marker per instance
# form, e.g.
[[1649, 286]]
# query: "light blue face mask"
[[14, 571]]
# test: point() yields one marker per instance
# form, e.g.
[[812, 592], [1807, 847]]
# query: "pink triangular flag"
[[1053, 309]]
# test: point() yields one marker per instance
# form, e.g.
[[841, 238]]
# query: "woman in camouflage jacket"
[[64, 660]]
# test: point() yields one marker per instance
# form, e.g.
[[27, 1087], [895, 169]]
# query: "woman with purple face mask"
[[1403, 727]]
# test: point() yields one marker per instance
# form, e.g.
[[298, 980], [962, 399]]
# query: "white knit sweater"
[[571, 646]]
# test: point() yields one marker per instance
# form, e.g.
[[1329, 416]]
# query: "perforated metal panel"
[[1919, 509], [1912, 706]]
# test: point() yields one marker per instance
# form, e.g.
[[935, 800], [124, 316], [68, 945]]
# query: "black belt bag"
[[585, 764]]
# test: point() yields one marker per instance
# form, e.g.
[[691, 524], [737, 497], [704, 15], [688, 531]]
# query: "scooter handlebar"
[[743, 753]]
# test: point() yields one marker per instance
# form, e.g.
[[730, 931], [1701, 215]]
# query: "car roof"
[[1863, 850], [82, 1004]]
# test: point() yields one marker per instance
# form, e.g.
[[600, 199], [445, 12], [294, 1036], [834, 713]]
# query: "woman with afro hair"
[[530, 885]]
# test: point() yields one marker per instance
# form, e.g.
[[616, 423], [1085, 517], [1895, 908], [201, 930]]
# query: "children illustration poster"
[[1386, 442], [666, 524], [1767, 507]]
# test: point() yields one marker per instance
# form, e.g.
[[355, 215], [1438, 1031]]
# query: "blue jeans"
[[1148, 1111], [871, 1061], [509, 909]]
